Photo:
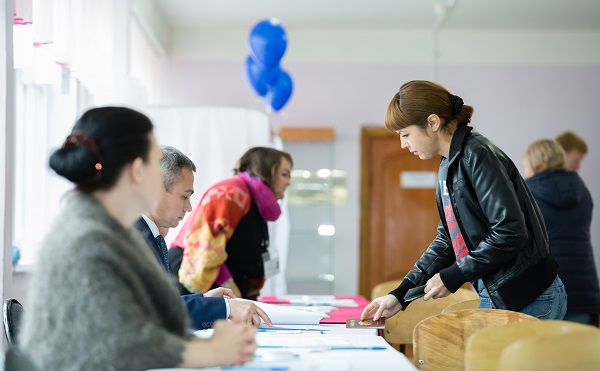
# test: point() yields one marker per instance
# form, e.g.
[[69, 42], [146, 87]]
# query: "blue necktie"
[[163, 251]]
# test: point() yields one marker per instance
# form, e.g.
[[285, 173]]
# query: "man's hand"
[[220, 292], [247, 312]]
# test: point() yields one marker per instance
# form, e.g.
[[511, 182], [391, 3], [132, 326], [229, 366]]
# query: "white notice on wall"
[[418, 179]]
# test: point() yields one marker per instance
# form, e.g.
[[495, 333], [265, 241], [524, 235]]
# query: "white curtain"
[[43, 119], [83, 36], [214, 138], [280, 240]]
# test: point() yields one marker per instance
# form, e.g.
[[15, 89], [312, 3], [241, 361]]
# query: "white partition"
[[214, 138]]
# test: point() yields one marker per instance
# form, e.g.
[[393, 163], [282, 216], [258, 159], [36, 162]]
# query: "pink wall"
[[514, 105], [511, 103]]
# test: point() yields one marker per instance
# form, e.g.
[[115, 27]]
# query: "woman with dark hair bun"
[[94, 154], [98, 300]]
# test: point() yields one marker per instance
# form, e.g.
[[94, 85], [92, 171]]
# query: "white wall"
[[523, 85], [384, 45], [6, 143]]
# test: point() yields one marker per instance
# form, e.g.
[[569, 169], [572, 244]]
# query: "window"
[[69, 59], [43, 115]]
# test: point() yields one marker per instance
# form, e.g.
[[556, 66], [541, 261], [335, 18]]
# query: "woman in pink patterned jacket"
[[225, 240]]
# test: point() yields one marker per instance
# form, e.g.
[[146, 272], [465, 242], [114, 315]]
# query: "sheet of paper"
[[282, 315]]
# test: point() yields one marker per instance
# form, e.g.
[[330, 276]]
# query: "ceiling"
[[465, 14]]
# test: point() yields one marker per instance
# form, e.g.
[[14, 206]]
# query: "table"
[[342, 350], [339, 349]]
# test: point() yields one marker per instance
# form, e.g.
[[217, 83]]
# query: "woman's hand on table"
[[383, 306], [234, 341]]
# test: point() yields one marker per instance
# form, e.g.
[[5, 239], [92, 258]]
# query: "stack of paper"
[[282, 315]]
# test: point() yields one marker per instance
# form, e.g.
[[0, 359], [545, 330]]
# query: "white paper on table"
[[281, 315]]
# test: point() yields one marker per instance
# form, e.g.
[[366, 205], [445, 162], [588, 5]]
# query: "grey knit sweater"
[[98, 300]]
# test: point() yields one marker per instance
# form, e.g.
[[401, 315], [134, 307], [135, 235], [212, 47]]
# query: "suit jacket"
[[203, 311]]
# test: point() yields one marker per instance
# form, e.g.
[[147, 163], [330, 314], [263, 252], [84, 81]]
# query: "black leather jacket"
[[500, 222]]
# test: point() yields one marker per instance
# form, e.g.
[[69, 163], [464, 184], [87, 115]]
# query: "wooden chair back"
[[439, 341], [384, 288], [467, 304], [399, 328], [485, 347], [573, 350]]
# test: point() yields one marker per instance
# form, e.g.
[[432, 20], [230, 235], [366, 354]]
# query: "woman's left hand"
[[435, 289]]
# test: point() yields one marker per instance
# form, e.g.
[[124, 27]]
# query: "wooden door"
[[399, 217]]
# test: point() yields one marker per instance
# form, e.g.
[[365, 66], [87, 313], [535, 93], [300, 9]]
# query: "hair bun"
[[78, 159], [457, 104]]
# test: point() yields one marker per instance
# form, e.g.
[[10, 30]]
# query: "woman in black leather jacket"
[[491, 232]]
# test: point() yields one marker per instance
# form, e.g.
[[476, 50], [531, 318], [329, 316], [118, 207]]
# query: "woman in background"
[[224, 242], [575, 149], [98, 300], [491, 232], [567, 206]]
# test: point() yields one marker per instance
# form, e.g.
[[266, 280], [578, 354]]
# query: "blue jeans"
[[552, 304]]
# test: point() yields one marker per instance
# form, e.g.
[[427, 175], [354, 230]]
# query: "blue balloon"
[[261, 79], [273, 75], [268, 41], [281, 92], [256, 76]]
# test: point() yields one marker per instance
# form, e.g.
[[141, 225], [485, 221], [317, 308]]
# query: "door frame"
[[368, 134]]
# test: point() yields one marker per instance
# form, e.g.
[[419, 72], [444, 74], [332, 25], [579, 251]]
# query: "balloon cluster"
[[268, 42]]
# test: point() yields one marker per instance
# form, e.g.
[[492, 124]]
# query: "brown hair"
[[571, 141], [544, 154], [418, 99], [262, 162]]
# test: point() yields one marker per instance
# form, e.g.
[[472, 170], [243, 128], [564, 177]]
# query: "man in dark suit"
[[174, 202]]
